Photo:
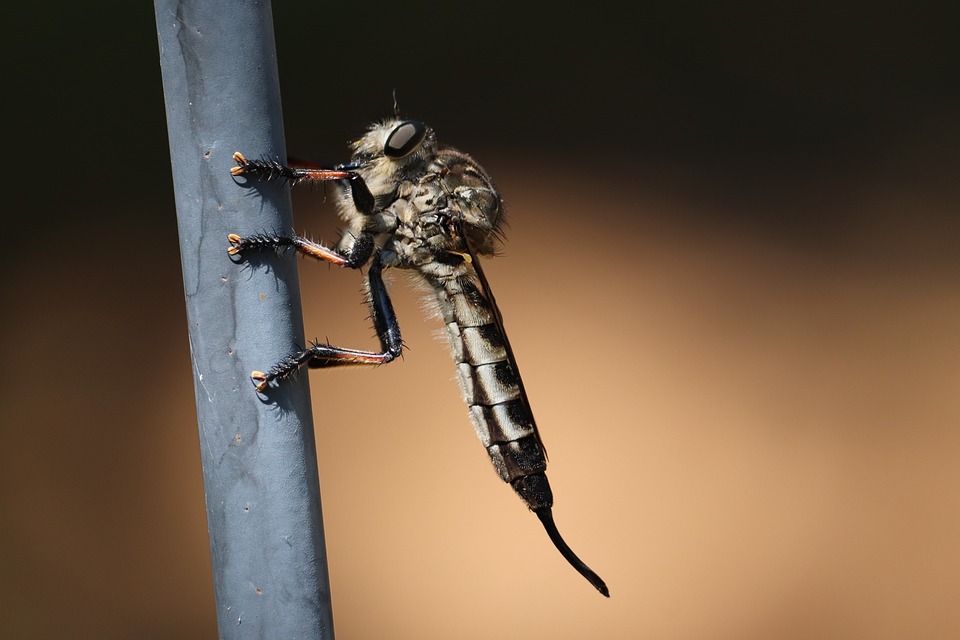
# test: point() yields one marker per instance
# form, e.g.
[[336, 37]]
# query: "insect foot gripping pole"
[[546, 517]]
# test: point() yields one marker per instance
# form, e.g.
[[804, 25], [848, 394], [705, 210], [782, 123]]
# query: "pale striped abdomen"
[[493, 390]]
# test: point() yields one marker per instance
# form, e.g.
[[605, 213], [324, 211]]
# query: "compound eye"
[[406, 137]]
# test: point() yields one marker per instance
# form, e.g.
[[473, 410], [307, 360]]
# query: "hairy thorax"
[[436, 217]]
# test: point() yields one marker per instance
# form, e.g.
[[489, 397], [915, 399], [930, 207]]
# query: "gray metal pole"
[[259, 459]]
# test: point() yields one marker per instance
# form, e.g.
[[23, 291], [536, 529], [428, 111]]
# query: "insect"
[[409, 202]]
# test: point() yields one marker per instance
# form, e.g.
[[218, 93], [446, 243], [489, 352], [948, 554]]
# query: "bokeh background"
[[732, 282]]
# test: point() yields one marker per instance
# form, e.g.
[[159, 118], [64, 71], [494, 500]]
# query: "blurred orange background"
[[741, 349]]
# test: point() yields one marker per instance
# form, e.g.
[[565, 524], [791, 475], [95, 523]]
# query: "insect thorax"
[[425, 205]]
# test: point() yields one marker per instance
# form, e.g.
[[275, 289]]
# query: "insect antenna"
[[546, 517]]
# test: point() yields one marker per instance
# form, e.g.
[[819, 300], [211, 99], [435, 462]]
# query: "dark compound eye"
[[406, 137]]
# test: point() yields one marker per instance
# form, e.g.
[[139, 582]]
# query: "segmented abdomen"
[[493, 391]]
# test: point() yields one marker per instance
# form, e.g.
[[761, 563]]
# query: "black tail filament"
[[546, 517]]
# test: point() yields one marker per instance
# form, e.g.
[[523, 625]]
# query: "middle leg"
[[354, 257]]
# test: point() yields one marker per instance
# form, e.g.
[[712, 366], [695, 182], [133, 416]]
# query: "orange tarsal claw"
[[241, 164], [260, 375]]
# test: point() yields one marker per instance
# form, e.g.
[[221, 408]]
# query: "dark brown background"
[[732, 282]]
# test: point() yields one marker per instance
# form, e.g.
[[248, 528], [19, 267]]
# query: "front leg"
[[319, 356], [270, 170]]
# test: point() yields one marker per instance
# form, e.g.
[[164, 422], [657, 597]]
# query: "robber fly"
[[409, 202]]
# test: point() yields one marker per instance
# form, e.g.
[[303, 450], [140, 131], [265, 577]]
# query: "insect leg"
[[354, 257], [272, 170], [319, 356]]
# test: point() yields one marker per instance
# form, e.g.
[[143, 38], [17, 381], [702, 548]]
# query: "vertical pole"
[[221, 89]]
